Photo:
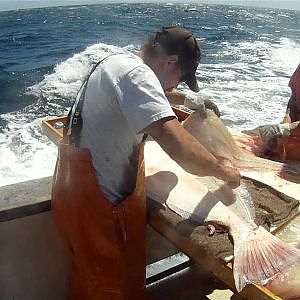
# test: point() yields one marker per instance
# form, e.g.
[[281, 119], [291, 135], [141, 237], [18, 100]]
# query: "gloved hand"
[[270, 133], [196, 102]]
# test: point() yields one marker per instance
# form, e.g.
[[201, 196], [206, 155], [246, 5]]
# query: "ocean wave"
[[249, 80], [60, 87], [248, 57], [29, 152], [284, 56], [249, 83]]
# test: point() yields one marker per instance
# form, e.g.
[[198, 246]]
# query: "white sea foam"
[[284, 57], [252, 89], [249, 84], [25, 153], [65, 81]]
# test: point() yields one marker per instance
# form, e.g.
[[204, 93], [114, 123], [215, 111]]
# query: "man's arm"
[[182, 147]]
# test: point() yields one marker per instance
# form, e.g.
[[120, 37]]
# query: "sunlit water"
[[248, 55]]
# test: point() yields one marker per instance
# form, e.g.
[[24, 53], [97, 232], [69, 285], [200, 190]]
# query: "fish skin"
[[209, 199], [217, 139]]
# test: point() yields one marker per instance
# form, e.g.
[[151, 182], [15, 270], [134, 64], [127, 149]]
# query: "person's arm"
[[194, 102], [182, 147], [291, 110], [287, 117]]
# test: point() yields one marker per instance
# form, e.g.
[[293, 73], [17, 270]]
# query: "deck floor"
[[191, 283]]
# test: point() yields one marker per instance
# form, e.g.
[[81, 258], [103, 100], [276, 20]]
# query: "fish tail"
[[259, 255]]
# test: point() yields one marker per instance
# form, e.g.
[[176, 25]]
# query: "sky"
[[21, 4]]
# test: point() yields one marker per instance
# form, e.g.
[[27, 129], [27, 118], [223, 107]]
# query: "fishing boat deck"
[[35, 262], [198, 258]]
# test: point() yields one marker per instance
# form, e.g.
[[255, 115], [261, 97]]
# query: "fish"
[[259, 256], [217, 139]]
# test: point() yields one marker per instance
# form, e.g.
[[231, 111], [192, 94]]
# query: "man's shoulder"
[[127, 69], [125, 61]]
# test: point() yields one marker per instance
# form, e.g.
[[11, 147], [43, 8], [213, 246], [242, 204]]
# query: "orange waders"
[[106, 242], [288, 149]]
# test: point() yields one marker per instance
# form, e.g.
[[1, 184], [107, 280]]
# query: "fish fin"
[[244, 204], [259, 256]]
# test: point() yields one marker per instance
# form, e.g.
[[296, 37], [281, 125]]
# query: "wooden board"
[[51, 130]]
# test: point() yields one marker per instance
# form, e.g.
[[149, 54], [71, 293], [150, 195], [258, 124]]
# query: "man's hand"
[[192, 101], [195, 102], [294, 125], [270, 133], [231, 175], [287, 117], [182, 147]]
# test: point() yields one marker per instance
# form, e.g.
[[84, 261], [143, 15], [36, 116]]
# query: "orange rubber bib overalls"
[[288, 149], [106, 242]]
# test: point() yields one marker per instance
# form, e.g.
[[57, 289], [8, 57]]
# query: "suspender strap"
[[145, 135], [74, 124]]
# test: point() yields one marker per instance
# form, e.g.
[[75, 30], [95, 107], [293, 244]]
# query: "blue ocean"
[[248, 55]]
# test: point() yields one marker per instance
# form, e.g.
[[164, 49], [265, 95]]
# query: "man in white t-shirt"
[[125, 98]]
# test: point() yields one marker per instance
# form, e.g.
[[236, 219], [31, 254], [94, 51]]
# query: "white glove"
[[194, 102], [270, 133], [277, 130], [285, 129]]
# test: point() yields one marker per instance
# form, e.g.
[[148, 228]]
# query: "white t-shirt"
[[123, 97]]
